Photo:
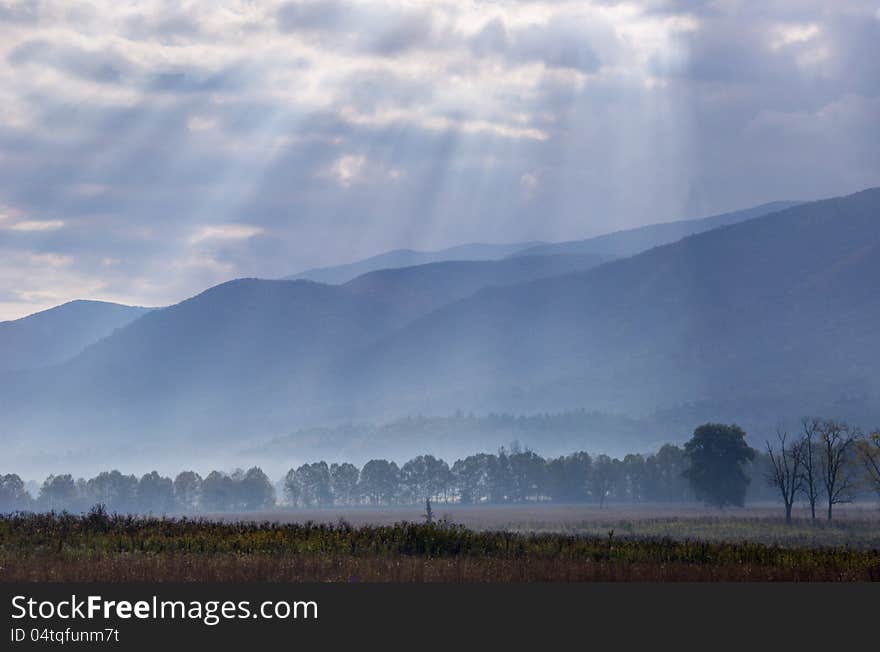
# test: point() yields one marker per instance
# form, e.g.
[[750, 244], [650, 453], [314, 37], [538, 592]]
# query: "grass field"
[[494, 544]]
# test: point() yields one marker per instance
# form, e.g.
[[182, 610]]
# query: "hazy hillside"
[[252, 355], [54, 335], [783, 306], [420, 289], [407, 258], [632, 241], [753, 322]]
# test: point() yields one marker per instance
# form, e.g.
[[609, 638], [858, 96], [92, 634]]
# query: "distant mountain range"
[[613, 245], [784, 305], [766, 315], [621, 244], [52, 336], [407, 258]]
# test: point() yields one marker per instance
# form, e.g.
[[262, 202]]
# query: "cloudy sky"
[[151, 149]]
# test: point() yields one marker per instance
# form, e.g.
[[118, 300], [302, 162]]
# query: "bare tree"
[[811, 483], [785, 470], [836, 440], [869, 453]]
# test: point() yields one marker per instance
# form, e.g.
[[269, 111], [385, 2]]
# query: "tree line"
[[829, 461]]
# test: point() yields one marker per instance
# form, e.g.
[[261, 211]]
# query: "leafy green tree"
[[603, 479], [117, 492], [475, 478], [379, 482], [343, 482], [59, 492], [567, 477], [293, 488], [253, 490], [664, 472], [218, 492], [423, 477], [13, 494], [314, 485], [717, 454], [633, 477], [528, 477], [188, 491], [155, 493]]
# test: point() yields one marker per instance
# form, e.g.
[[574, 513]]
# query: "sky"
[[149, 150]]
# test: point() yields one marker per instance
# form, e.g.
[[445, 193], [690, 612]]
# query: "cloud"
[[191, 143], [226, 232], [34, 225]]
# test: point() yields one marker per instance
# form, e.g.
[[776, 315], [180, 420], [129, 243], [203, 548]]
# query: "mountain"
[[420, 289], [781, 308], [614, 245], [407, 258], [755, 321], [233, 356], [621, 244], [52, 336]]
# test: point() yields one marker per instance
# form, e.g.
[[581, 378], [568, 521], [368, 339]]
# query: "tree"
[[786, 473], [155, 493], [479, 478], [665, 474], [567, 477], [633, 470], [343, 482], [379, 481], [188, 491], [602, 479], [13, 494], [869, 454], [314, 485], [424, 477], [717, 454], [254, 490], [218, 491], [836, 442], [527, 475], [117, 492], [59, 492], [810, 462]]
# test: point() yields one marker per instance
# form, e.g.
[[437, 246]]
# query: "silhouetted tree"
[[665, 474], [786, 473], [836, 443], [423, 477], [567, 477], [527, 473], [13, 494], [634, 477], [869, 454], [59, 492], [474, 478], [379, 482], [602, 479], [155, 493], [314, 485], [218, 492], [188, 491], [343, 481], [717, 453], [117, 492], [812, 481], [254, 490]]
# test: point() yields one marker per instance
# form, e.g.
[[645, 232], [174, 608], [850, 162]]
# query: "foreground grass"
[[63, 547]]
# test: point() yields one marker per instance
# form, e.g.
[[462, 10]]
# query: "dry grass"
[[124, 549]]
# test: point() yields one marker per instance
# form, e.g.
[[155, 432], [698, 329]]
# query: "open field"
[[856, 526], [124, 548]]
